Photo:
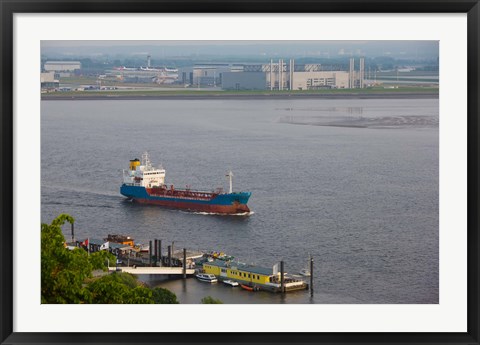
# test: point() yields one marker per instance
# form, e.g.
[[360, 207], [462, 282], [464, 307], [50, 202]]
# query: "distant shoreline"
[[353, 95]]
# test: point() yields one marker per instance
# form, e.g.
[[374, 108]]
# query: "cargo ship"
[[144, 183]]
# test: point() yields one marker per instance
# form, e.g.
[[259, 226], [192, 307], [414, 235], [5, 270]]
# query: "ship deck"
[[181, 193]]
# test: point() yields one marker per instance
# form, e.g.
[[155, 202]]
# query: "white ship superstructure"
[[144, 174]]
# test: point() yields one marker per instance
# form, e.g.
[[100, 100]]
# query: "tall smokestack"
[[271, 74], [361, 76], [280, 70], [292, 69], [149, 60], [351, 74]]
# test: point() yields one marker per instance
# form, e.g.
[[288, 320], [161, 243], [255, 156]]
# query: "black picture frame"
[[10, 7]]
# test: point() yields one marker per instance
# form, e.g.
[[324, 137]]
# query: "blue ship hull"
[[225, 203]]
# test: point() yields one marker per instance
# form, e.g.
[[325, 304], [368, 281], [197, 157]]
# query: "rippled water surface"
[[362, 201]]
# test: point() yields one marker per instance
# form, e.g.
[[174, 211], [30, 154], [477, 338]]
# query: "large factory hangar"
[[244, 80], [288, 76], [62, 66]]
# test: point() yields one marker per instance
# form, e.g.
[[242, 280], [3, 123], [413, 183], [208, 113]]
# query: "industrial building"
[[207, 74], [48, 81], [319, 80], [244, 81], [276, 75], [288, 76], [62, 66]]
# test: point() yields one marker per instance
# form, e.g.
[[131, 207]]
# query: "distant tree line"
[[103, 63]]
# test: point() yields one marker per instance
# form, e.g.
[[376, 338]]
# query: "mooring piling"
[[150, 253], [169, 256], [184, 264], [160, 251], [311, 276], [73, 232], [155, 252], [282, 278]]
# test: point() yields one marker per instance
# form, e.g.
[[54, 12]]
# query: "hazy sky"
[[117, 43], [418, 49]]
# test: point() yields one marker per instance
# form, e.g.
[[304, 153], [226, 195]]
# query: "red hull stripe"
[[224, 209]]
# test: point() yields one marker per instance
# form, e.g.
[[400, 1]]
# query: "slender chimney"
[[362, 72], [280, 69], [271, 74], [292, 68], [351, 74]]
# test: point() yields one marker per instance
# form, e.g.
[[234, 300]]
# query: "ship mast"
[[230, 175], [146, 161]]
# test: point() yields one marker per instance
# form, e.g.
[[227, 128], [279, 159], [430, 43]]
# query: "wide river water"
[[326, 179]]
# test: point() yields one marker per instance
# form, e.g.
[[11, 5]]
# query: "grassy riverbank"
[[263, 94]]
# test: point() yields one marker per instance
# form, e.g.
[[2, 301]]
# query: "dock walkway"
[[153, 270]]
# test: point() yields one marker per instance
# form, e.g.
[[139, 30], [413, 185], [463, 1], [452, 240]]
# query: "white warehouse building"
[[319, 79], [62, 66]]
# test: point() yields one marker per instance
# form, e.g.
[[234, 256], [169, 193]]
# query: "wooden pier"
[[153, 270]]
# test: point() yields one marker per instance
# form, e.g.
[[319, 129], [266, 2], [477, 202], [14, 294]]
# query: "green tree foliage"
[[211, 300], [118, 288], [99, 260], [62, 271], [164, 296], [66, 275], [127, 279], [139, 295]]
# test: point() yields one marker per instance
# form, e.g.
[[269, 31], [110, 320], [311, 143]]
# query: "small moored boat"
[[230, 282], [248, 288], [205, 277], [305, 272]]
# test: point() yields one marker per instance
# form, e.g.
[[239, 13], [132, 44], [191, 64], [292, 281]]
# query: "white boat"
[[205, 277], [305, 272], [230, 282]]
